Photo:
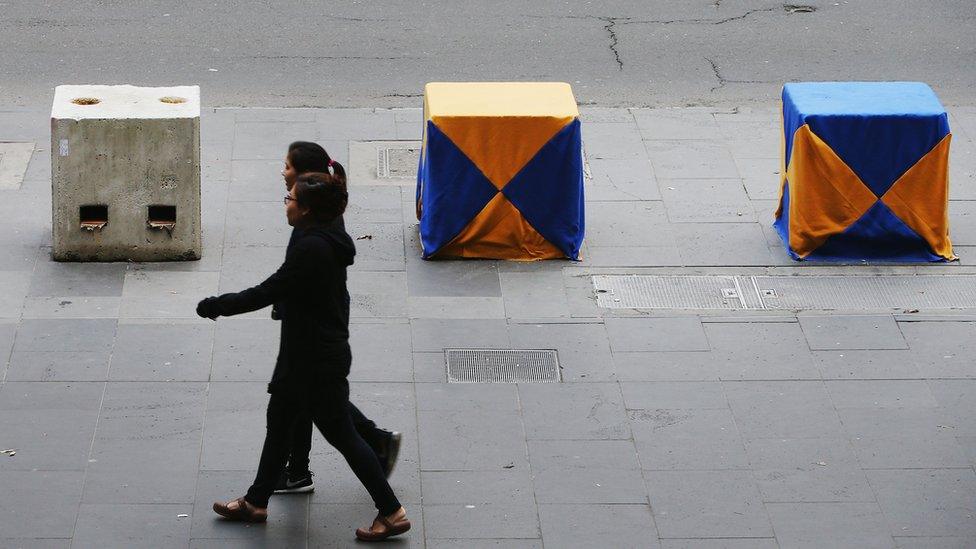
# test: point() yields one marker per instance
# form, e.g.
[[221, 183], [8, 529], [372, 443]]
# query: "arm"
[[291, 277]]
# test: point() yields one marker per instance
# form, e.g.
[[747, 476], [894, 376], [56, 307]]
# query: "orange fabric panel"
[[500, 232], [825, 195], [500, 146], [782, 168], [920, 198]]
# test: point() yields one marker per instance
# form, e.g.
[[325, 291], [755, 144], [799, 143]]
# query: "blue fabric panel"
[[877, 236], [549, 191], [879, 129], [454, 191], [782, 223]]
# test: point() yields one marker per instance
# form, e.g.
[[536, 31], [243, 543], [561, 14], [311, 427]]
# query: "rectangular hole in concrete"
[[162, 217], [93, 217]]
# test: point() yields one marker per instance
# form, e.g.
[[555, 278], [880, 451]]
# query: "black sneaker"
[[295, 484], [388, 451]]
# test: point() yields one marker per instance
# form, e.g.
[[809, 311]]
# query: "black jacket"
[[310, 288]]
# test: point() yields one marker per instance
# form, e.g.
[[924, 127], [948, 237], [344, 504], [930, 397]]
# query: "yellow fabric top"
[[543, 99]]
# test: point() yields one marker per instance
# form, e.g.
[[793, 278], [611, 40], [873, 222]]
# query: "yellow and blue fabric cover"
[[501, 171], [865, 172]]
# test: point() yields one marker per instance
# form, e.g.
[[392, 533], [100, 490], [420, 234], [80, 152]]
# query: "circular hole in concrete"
[[86, 101], [173, 100]]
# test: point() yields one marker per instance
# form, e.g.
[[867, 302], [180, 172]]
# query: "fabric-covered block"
[[865, 172], [501, 171]]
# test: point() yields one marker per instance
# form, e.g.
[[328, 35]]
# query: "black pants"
[[329, 408], [301, 440]]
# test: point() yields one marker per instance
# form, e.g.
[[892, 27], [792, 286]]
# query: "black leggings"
[[301, 440], [329, 410]]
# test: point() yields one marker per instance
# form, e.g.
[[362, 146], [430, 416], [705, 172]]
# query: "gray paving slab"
[[429, 368], [583, 349], [783, 409], [248, 224], [720, 543], [594, 525], [16, 285], [834, 332], [875, 364], [488, 521], [375, 204], [958, 402], [681, 333], [926, 502], [65, 335], [688, 439], [77, 279], [471, 440], [829, 525], [880, 394], [667, 366], [453, 278], [506, 487], [532, 543], [357, 123], [162, 352], [467, 396], [721, 244], [674, 395], [71, 307], [706, 201], [244, 349], [946, 542], [586, 471], [58, 366], [691, 159], [645, 224], [760, 177], [165, 294], [707, 504], [889, 438], [456, 307], [643, 256], [379, 246], [287, 516], [46, 505], [437, 335], [269, 140], [655, 124], [612, 140], [941, 349], [577, 411], [49, 425], [110, 525], [378, 294], [257, 181], [760, 351], [808, 470], [620, 180], [381, 352], [534, 295]]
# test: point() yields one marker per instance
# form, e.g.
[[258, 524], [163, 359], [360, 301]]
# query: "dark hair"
[[307, 157], [323, 194]]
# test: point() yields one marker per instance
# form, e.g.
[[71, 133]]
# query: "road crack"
[[610, 22]]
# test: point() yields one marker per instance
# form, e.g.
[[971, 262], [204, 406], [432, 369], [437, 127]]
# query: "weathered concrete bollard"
[[125, 173]]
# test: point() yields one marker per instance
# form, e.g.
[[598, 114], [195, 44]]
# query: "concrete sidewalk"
[[671, 428]]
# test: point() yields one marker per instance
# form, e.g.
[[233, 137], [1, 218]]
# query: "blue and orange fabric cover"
[[865, 172], [501, 171]]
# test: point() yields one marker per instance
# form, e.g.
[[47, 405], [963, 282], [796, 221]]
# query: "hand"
[[207, 308]]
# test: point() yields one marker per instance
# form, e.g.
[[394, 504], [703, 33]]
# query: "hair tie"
[[331, 162]]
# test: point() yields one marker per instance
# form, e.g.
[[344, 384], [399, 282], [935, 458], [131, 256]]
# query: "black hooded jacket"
[[313, 302]]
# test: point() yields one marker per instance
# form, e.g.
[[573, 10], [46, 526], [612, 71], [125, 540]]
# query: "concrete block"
[[125, 173]]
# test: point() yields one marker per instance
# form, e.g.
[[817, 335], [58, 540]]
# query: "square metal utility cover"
[[502, 366], [383, 162], [14, 158]]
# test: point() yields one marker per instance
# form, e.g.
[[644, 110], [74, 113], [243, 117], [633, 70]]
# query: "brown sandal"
[[244, 512], [392, 529]]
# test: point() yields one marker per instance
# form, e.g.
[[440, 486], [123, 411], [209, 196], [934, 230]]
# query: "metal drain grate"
[[502, 366], [812, 292], [397, 162]]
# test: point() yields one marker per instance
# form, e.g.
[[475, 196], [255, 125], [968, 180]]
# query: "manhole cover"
[[397, 163], [383, 162], [502, 366], [14, 158]]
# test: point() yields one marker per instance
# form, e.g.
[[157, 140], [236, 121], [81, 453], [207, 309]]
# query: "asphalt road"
[[380, 53]]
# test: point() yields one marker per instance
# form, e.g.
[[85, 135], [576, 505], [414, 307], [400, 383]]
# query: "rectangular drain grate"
[[502, 366], [813, 292]]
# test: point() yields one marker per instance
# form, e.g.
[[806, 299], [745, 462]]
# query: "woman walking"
[[314, 357]]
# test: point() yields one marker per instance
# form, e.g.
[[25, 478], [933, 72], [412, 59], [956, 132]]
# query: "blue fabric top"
[[879, 129]]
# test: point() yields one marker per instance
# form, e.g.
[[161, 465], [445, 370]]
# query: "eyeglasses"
[[289, 198]]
